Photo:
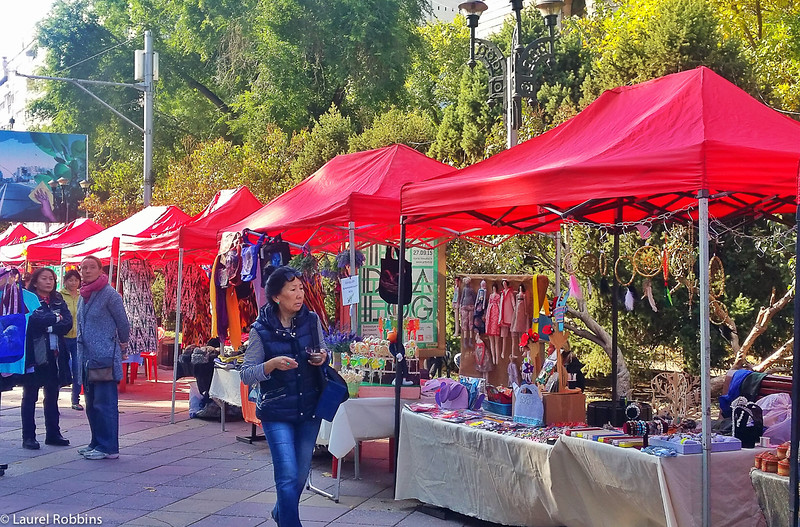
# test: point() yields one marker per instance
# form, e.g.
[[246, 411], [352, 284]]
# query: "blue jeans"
[[291, 446], [102, 411], [72, 348]]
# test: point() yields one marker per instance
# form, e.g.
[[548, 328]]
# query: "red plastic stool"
[[151, 365]]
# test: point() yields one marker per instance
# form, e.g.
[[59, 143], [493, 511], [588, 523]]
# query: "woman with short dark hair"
[[46, 360], [72, 282], [283, 355]]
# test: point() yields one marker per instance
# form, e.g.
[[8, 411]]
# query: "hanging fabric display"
[[196, 318], [137, 296]]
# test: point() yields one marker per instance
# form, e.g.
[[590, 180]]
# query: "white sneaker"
[[84, 450], [99, 454]]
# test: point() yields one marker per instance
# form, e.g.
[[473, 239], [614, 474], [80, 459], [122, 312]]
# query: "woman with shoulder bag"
[[283, 356], [103, 333], [46, 360]]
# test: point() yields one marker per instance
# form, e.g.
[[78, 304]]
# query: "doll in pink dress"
[[507, 301], [493, 323]]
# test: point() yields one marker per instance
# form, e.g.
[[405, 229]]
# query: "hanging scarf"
[[87, 289]]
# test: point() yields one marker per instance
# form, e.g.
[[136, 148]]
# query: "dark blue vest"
[[289, 396]]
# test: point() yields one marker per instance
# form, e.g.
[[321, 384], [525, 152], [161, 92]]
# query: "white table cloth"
[[225, 386], [575, 483]]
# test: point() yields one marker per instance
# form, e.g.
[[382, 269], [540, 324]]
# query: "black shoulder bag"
[[390, 272], [334, 388]]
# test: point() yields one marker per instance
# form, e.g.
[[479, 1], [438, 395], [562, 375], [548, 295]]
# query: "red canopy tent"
[[148, 222], [47, 247], [682, 147], [196, 237], [655, 145], [16, 233], [359, 191], [194, 241]]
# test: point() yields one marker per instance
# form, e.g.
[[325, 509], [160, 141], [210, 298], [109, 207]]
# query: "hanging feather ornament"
[[575, 288], [647, 288], [630, 298], [588, 288]]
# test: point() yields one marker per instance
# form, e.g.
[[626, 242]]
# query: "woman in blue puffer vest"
[[282, 357]]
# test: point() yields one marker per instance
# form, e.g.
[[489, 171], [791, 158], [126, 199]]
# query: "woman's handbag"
[[12, 323], [390, 273], [100, 370], [334, 393]]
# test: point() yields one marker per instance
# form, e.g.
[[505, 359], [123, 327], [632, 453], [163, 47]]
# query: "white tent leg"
[[558, 264], [177, 335], [705, 353], [111, 269]]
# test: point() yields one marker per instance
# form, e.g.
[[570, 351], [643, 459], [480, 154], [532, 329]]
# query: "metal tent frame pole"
[[400, 363], [705, 353], [353, 272], [177, 334], [794, 455]]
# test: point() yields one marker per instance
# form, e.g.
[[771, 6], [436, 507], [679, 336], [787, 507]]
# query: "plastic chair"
[[151, 365]]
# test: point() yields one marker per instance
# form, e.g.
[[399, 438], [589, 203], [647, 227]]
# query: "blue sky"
[[18, 21]]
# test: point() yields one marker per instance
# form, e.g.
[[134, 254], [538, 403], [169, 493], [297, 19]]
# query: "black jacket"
[[37, 336], [289, 396]]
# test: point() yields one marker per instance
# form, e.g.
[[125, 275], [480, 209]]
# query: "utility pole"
[[149, 59], [146, 70]]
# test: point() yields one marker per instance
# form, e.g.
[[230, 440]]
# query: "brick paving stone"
[[215, 520], [367, 517], [196, 505]]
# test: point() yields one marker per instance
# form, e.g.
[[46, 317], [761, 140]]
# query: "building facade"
[[16, 92]]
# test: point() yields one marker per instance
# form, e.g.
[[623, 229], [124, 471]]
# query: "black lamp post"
[[512, 78], [85, 187], [62, 182]]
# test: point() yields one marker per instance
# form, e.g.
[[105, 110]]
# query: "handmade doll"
[[506, 316], [467, 302], [522, 317], [457, 307], [493, 323], [478, 321]]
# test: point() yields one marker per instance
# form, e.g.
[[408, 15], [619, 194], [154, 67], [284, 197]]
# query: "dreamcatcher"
[[717, 311]]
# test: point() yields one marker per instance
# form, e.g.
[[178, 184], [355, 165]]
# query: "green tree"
[[327, 139], [414, 129]]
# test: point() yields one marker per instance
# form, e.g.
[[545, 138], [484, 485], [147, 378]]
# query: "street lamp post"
[[85, 187], [512, 78], [62, 182]]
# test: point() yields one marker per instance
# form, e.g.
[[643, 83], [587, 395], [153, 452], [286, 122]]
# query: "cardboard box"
[[406, 392], [567, 407]]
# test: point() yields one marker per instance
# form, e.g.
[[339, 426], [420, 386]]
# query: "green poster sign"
[[424, 294]]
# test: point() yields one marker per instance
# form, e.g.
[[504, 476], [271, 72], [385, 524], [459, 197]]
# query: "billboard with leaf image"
[[40, 175]]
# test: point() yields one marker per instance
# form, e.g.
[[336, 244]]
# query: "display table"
[[576, 482], [772, 491], [652, 491], [225, 388], [474, 472], [356, 420]]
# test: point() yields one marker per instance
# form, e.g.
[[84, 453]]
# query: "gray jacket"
[[102, 325]]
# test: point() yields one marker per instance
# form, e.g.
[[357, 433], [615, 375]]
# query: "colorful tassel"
[[575, 288]]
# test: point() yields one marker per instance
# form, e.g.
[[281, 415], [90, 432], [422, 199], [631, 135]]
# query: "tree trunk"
[[765, 314], [595, 333], [786, 349]]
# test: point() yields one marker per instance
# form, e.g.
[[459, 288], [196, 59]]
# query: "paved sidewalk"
[[187, 473]]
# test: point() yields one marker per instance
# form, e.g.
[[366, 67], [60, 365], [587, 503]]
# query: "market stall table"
[[356, 420], [520, 482], [772, 491], [474, 472], [225, 388]]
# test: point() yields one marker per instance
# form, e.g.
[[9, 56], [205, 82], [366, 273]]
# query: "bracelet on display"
[[633, 411]]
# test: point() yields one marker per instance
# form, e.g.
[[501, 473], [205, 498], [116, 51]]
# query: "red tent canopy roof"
[[198, 236], [656, 144], [16, 233], [47, 248], [363, 187], [147, 222]]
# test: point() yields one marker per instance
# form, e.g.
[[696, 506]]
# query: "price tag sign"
[[349, 290]]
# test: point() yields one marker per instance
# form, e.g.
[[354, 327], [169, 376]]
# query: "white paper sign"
[[349, 290]]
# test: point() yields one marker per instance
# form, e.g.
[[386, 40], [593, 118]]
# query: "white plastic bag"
[[777, 408]]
